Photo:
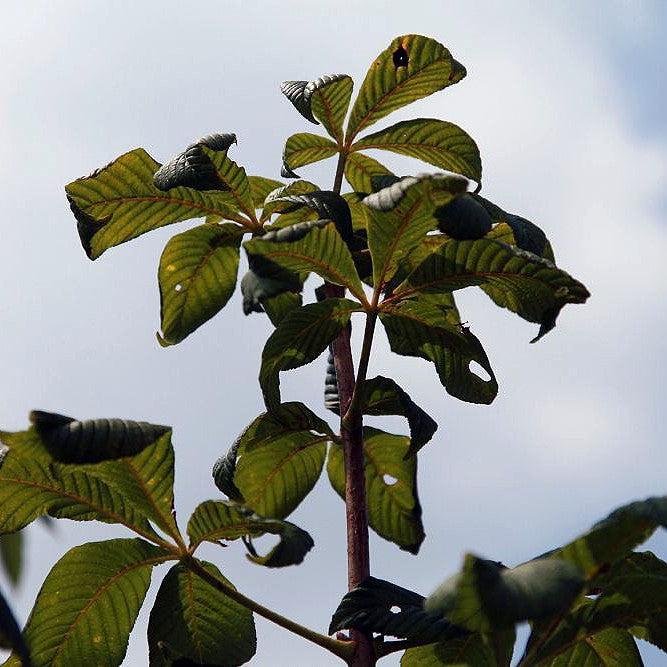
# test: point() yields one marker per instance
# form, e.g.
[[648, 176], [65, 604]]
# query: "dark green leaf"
[[403, 216], [361, 170], [310, 246], [279, 306], [107, 470], [486, 596], [198, 622], [329, 103], [410, 68], [120, 202], [213, 521], [526, 284], [10, 635], [257, 289], [382, 396], [463, 219], [393, 505], [299, 339], [274, 202], [197, 277], [279, 458], [417, 329], [261, 187], [89, 602], [305, 148], [11, 553], [437, 142], [378, 606]]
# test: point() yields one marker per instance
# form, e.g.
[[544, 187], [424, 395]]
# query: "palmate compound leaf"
[[88, 604], [299, 339], [532, 287], [631, 596], [191, 619], [276, 461], [120, 202], [410, 68], [424, 329], [313, 246], [383, 396], [403, 215], [197, 276], [486, 596], [393, 505], [442, 144], [219, 520], [305, 148], [108, 470]]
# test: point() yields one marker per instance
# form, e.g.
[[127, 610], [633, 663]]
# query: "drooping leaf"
[[107, 470], [361, 170], [486, 596], [410, 68], [329, 103], [383, 396], [307, 247], [393, 505], [299, 339], [198, 622], [120, 202], [463, 219], [526, 284], [442, 144], [11, 554], [213, 521], [197, 277], [305, 148], [89, 602], [422, 329], [257, 289], [279, 458], [378, 606], [403, 216], [10, 635], [613, 538]]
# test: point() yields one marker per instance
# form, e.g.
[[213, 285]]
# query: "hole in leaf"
[[395, 609], [479, 371], [389, 480], [400, 57], [178, 287]]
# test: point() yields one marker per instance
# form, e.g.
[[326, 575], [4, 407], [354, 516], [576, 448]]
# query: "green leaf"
[[377, 606], [107, 470], [197, 277], [410, 68], [486, 596], [403, 216], [279, 459], [120, 202], [393, 505], [383, 396], [11, 554], [320, 250], [89, 602], [613, 538], [472, 650], [361, 170], [305, 148], [299, 339], [274, 202], [279, 306], [609, 648], [213, 521], [258, 290], [422, 329], [235, 180], [437, 142], [261, 187], [198, 622], [329, 104], [526, 284]]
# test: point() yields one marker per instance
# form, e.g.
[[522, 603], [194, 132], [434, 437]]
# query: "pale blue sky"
[[567, 105]]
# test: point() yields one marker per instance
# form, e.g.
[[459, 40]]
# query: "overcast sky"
[[566, 102]]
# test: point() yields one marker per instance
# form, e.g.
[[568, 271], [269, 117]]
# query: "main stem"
[[358, 560]]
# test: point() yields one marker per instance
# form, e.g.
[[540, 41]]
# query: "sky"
[[566, 102]]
